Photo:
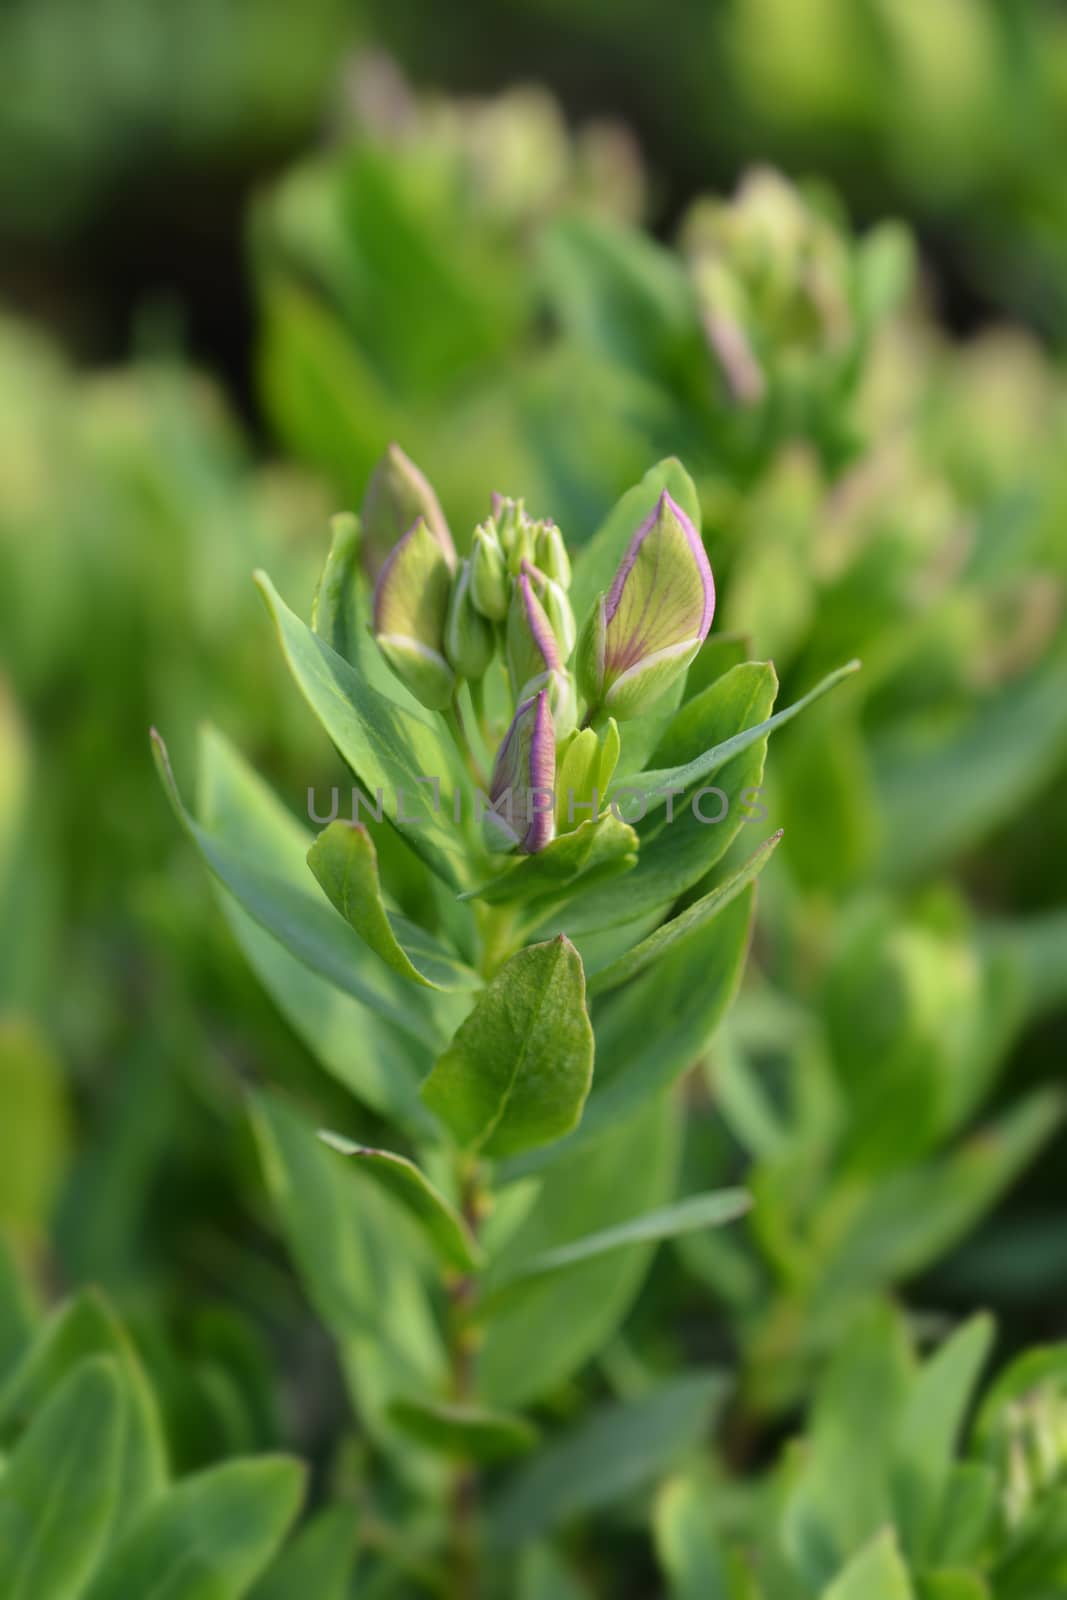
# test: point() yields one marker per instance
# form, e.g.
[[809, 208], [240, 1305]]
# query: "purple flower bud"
[[521, 790], [397, 495], [410, 613], [535, 660], [644, 633]]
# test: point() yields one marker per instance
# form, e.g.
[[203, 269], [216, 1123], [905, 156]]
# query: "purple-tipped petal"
[[663, 593], [526, 766], [537, 621]]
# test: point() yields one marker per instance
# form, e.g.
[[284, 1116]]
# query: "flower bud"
[[644, 633], [586, 767], [489, 576], [556, 606], [550, 554], [468, 636], [521, 790], [535, 660], [397, 495], [532, 647], [410, 611]]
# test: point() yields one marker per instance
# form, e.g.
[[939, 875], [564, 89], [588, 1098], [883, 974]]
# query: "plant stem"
[[453, 716], [463, 1496]]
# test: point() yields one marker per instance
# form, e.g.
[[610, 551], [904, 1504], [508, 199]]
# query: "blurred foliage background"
[[245, 245]]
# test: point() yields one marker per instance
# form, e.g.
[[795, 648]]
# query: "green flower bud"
[[557, 608], [535, 660], [468, 635], [397, 495], [586, 767], [508, 516], [646, 630], [489, 575], [550, 554], [410, 611]]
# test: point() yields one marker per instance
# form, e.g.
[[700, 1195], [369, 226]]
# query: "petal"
[[663, 594]]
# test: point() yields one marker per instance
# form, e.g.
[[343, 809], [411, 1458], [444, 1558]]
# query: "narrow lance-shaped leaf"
[[464, 1432], [58, 1492], [86, 1328], [677, 853], [518, 1071], [690, 1550], [563, 864], [212, 1534], [929, 1431], [345, 862], [877, 1573], [303, 923], [609, 1455], [387, 746], [687, 922], [696, 1211], [447, 1231], [318, 1563], [656, 785]]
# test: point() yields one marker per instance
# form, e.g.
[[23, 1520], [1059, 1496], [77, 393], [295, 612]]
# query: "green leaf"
[[620, 292], [929, 1431], [444, 1226], [596, 564], [944, 796], [1034, 1562], [658, 783], [387, 745], [534, 1345], [386, 1069], [968, 1511], [209, 1538], [696, 1211], [608, 1456], [912, 1218], [336, 615], [952, 1584], [86, 1327], [342, 1229], [601, 846], [34, 1128], [304, 924], [691, 1553], [877, 1573], [345, 862], [58, 1492], [518, 1071], [688, 992], [18, 1313], [841, 1495], [464, 1432], [543, 1576], [684, 925], [318, 1563], [676, 854]]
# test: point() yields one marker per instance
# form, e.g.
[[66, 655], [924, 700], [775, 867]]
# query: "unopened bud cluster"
[[442, 620]]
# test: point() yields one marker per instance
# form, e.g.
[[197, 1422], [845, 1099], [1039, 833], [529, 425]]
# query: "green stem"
[[477, 689], [464, 1574], [499, 937], [454, 722]]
